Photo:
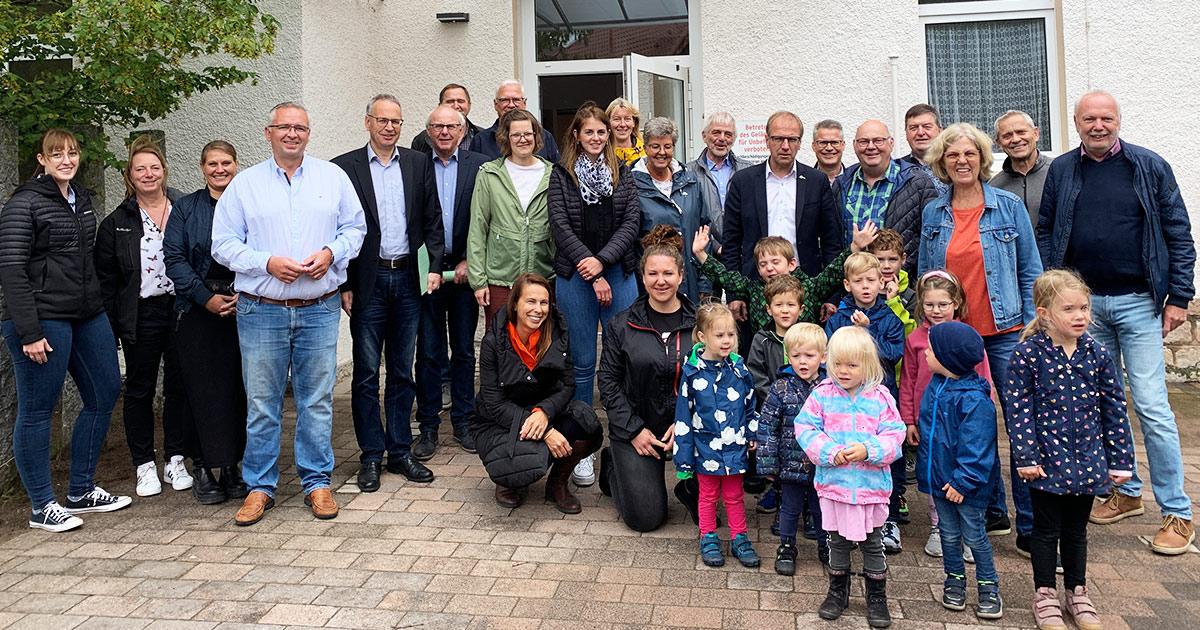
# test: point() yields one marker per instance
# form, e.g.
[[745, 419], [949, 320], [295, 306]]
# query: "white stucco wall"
[[820, 59]]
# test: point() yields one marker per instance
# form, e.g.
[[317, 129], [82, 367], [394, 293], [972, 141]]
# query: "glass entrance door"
[[660, 87]]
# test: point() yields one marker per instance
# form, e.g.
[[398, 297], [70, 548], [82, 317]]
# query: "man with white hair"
[[715, 165], [1025, 168], [510, 95]]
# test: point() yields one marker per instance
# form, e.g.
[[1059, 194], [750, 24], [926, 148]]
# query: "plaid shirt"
[[865, 202], [752, 290]]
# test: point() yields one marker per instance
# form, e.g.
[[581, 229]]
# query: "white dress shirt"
[[781, 205]]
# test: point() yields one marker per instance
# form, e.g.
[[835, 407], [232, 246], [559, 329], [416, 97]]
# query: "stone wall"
[[8, 387], [1182, 349]]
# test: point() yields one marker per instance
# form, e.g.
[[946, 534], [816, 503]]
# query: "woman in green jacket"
[[510, 223]]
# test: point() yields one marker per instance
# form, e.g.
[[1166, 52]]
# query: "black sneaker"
[[53, 518], [423, 450], [98, 500], [998, 525], [1025, 548]]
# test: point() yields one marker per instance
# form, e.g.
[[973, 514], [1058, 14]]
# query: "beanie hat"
[[957, 347]]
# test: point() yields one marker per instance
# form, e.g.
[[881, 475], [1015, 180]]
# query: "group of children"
[[834, 446]]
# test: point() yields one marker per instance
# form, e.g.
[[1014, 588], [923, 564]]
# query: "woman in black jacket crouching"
[[644, 350], [524, 415]]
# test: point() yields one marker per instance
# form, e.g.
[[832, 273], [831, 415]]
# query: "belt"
[[394, 263], [290, 303]]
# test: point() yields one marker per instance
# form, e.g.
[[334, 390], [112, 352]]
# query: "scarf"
[[595, 179], [527, 353]]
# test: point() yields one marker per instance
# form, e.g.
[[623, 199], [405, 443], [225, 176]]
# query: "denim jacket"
[[1010, 255]]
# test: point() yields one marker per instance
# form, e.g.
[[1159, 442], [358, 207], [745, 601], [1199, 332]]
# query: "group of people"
[[779, 328]]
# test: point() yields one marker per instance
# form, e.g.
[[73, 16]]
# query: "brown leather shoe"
[[1116, 507], [509, 498], [253, 508], [1174, 537], [322, 503]]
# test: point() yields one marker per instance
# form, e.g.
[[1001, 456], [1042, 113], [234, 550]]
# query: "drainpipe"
[[896, 121]]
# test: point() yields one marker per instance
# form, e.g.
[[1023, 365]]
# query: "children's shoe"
[[1025, 548], [991, 605], [902, 515], [743, 550], [53, 518], [710, 550], [1080, 607], [823, 551], [998, 525], [910, 466], [891, 538], [147, 480], [1047, 612], [878, 615], [175, 472], [785, 558], [933, 546], [954, 592], [775, 524], [768, 503], [98, 500], [810, 526], [968, 555], [837, 599]]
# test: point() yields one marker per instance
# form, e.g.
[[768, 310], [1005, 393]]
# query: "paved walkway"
[[444, 555]]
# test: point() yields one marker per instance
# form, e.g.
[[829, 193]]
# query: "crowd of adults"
[[234, 287]]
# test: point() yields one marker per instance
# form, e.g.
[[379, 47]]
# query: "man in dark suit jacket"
[[509, 96], [382, 293], [780, 197], [451, 310]]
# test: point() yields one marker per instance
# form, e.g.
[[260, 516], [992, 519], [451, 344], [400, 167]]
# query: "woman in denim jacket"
[[983, 235]]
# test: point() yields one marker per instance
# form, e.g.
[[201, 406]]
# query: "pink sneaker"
[[1047, 611], [1080, 607]]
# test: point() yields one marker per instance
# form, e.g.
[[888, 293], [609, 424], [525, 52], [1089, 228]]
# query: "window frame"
[[997, 10]]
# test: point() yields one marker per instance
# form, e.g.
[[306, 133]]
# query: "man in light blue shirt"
[[288, 228]]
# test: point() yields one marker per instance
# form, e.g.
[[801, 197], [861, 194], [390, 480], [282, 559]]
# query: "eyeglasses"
[[782, 139], [513, 100], [827, 144], [937, 306], [300, 129], [384, 122], [521, 135], [438, 127], [866, 142]]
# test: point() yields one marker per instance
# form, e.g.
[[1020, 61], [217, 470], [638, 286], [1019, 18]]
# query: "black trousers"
[[1059, 527], [210, 361], [155, 346], [638, 487]]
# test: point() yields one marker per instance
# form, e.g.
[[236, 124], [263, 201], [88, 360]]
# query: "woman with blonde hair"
[[626, 120]]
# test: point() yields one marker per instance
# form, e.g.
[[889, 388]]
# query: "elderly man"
[[828, 144], [382, 294], [451, 310], [288, 228], [921, 125], [458, 98], [1025, 168], [716, 165], [1112, 210], [892, 193], [509, 96]]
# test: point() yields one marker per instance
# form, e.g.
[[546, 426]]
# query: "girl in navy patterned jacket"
[[1070, 435]]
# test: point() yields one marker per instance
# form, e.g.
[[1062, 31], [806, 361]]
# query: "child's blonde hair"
[[711, 313], [946, 281], [774, 246], [804, 335], [786, 283], [854, 343], [1049, 286], [860, 262]]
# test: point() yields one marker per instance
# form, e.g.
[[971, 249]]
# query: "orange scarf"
[[527, 353]]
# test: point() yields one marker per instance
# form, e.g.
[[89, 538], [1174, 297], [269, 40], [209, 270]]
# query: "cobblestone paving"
[[443, 555]]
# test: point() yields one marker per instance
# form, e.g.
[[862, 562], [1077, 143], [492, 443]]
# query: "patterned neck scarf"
[[595, 179]]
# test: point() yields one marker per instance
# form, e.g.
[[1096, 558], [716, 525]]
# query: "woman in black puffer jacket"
[[524, 414], [54, 323]]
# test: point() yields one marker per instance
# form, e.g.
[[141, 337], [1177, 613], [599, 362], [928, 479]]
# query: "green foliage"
[[133, 60]]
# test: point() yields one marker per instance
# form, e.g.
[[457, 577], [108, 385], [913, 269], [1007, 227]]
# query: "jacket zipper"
[[937, 398]]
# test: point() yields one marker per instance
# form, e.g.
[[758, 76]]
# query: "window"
[[599, 29], [984, 58]]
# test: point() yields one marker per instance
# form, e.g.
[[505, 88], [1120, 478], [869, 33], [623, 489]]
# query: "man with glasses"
[[452, 308], [828, 144], [509, 96], [456, 97], [288, 228], [382, 294], [891, 193]]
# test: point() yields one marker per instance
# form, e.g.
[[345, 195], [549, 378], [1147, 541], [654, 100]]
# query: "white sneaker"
[[176, 473], [968, 555], [147, 480], [584, 473], [933, 546]]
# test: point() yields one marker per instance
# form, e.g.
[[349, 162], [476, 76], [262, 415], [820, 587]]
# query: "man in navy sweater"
[[1112, 210]]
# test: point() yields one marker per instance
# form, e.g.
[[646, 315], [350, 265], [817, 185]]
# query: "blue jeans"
[[999, 350], [576, 299], [384, 326], [960, 523], [274, 338], [1131, 330], [451, 308], [87, 350]]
